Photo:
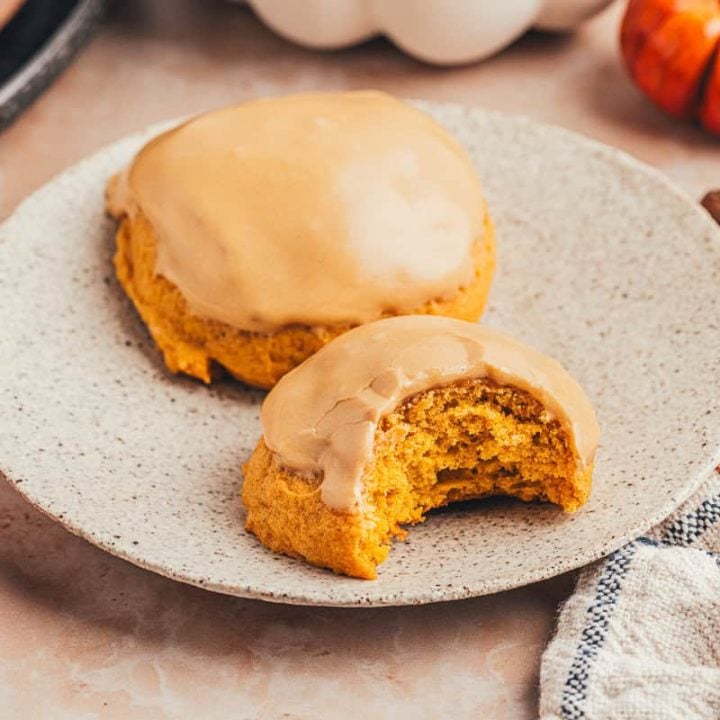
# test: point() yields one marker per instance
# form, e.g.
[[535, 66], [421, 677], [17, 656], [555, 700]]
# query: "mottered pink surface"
[[85, 635]]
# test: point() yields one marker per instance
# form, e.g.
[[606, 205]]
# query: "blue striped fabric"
[[681, 532]]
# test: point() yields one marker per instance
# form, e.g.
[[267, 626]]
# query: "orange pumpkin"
[[671, 49]]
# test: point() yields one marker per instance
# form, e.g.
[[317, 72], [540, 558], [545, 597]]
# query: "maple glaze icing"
[[322, 416], [318, 208]]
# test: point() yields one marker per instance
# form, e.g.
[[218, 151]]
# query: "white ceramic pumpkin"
[[442, 32]]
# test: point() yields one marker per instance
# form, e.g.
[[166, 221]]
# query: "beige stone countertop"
[[85, 635]]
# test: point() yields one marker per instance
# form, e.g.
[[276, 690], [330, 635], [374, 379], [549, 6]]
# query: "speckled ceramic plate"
[[602, 263]]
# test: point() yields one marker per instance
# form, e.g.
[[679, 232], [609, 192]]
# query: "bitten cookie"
[[403, 415]]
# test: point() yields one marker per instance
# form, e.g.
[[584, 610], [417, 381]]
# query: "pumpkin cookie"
[[250, 237], [403, 415]]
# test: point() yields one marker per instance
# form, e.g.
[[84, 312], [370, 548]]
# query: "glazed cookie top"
[[322, 416], [319, 208]]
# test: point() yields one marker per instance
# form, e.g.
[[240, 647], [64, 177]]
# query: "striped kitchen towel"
[[640, 636]]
